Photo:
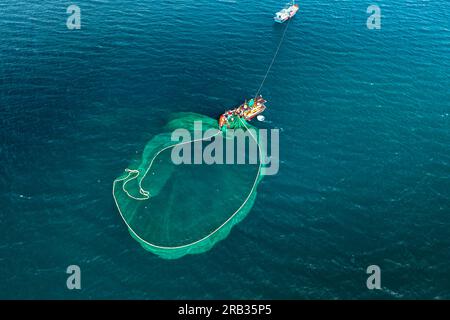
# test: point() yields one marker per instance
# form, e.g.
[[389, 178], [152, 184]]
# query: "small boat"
[[247, 111], [288, 12]]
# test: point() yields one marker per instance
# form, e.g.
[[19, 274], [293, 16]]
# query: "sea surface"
[[364, 120]]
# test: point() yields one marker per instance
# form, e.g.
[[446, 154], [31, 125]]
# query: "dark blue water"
[[364, 145]]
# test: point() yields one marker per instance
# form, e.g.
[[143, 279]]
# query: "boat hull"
[[280, 21], [244, 112]]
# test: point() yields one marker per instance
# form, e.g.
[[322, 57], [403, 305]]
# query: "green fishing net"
[[177, 209]]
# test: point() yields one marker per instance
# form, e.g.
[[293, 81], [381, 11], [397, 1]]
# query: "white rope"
[[273, 59], [147, 195]]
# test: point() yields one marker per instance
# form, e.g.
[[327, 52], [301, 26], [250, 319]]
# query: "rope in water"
[[130, 172], [146, 194], [273, 59], [134, 174]]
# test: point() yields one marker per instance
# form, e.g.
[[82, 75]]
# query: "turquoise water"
[[364, 145]]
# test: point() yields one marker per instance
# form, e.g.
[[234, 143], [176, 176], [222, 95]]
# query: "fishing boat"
[[287, 13], [247, 111]]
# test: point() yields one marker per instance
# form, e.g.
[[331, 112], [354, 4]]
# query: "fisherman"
[[222, 121]]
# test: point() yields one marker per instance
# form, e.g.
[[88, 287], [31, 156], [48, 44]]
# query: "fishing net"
[[177, 209]]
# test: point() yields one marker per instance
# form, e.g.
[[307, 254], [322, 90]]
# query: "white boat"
[[288, 12]]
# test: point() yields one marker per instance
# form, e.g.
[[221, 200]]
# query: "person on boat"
[[222, 121]]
